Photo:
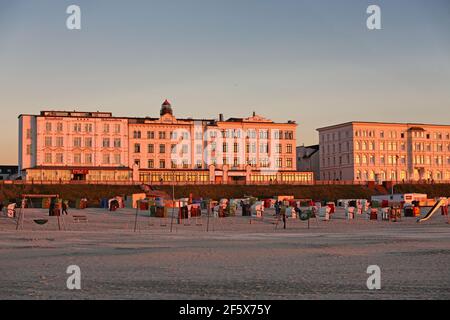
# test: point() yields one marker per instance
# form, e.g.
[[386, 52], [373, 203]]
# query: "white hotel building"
[[95, 146], [375, 151]]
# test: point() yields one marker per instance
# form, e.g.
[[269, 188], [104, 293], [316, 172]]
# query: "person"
[[283, 215], [277, 208], [51, 208], [64, 208], [298, 211]]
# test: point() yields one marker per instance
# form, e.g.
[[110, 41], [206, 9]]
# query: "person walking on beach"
[[283, 215], [64, 208], [277, 208], [51, 208]]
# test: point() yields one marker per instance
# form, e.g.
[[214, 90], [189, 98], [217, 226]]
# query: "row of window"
[[390, 134], [178, 177], [230, 133], [250, 148], [80, 127], [387, 146], [78, 142], [385, 160], [264, 163], [392, 175], [78, 158]]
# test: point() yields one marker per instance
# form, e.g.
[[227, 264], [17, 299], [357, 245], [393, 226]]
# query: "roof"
[[382, 123]]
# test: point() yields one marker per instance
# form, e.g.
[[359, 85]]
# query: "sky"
[[312, 61]]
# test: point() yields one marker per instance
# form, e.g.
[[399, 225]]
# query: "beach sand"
[[238, 258]]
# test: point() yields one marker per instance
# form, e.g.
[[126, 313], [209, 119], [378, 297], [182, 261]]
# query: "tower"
[[166, 108]]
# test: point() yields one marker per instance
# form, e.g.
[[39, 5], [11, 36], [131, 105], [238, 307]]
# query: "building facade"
[[95, 146], [374, 151], [308, 159]]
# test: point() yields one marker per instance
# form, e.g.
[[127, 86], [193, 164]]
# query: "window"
[[279, 163], [60, 142], [77, 127], [88, 127], [136, 134], [117, 128], [117, 158], [48, 126], [88, 142], [150, 148], [289, 162], [225, 147], [59, 158], [105, 128], [162, 135], [117, 143], [235, 147], [48, 158], [150, 135], [88, 158], [198, 149], [28, 149], [263, 134], [28, 134], [77, 158], [106, 142], [162, 164], [59, 127], [137, 162], [77, 142], [105, 158], [137, 148], [151, 164], [173, 135], [48, 141], [251, 133], [289, 135], [278, 148], [263, 148], [162, 148], [184, 149], [289, 148]]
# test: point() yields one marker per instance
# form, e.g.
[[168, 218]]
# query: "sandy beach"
[[239, 258]]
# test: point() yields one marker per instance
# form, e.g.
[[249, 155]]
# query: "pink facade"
[[252, 149], [366, 151]]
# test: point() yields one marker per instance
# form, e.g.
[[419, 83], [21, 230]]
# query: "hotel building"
[[375, 151], [98, 147]]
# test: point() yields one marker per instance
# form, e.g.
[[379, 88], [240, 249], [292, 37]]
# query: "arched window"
[[393, 175], [403, 175], [366, 176]]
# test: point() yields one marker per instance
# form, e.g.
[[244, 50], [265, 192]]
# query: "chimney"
[[221, 117], [254, 113]]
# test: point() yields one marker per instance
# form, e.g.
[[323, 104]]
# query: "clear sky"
[[313, 61]]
